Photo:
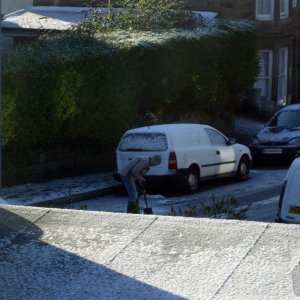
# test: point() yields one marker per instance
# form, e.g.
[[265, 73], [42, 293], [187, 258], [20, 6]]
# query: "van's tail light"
[[172, 161], [281, 197]]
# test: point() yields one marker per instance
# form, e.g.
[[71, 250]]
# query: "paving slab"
[[50, 253]]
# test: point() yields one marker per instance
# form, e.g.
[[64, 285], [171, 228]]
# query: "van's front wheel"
[[192, 180], [243, 168]]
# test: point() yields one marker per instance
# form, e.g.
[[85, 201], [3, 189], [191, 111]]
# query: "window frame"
[[282, 76], [268, 78], [265, 17], [286, 11], [294, 3]]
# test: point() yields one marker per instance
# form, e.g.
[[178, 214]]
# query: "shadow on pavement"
[[33, 269]]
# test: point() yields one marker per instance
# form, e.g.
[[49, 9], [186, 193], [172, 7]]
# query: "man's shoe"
[[133, 207]]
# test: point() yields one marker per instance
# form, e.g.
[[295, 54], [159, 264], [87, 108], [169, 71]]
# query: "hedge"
[[68, 88]]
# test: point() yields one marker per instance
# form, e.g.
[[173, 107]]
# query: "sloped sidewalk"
[[49, 253], [60, 190]]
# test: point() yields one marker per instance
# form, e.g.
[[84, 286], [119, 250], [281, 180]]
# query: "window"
[[264, 79], [144, 142], [282, 76], [264, 9], [216, 138], [284, 9], [289, 118], [295, 3]]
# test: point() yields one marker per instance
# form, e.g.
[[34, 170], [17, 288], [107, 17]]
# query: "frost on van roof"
[[163, 127]]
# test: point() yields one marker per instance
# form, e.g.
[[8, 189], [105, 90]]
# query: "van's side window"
[[216, 138]]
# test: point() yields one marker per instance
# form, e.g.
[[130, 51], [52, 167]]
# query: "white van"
[[289, 200], [190, 153]]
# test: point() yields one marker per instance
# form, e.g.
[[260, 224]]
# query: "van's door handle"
[[218, 152]]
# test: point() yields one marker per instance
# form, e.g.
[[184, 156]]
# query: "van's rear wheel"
[[243, 168], [192, 180]]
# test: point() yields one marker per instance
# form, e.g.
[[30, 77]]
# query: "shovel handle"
[[145, 198], [147, 210]]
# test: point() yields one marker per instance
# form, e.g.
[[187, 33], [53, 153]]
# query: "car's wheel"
[[243, 168], [192, 180]]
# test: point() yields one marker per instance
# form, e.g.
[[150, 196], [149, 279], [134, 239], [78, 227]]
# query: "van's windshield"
[[144, 142]]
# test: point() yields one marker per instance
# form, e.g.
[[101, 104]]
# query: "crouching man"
[[132, 175]]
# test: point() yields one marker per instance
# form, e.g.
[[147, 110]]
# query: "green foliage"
[[74, 89], [190, 211], [62, 94], [226, 207], [141, 15]]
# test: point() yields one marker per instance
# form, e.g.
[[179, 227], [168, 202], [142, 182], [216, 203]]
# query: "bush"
[[225, 208], [141, 15], [66, 94], [72, 89]]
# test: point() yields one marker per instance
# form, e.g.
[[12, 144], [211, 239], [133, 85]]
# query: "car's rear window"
[[289, 118], [144, 142]]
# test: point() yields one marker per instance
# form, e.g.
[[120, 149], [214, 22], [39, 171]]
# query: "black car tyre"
[[243, 168], [192, 180]]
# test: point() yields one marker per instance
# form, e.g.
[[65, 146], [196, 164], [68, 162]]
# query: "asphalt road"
[[259, 194]]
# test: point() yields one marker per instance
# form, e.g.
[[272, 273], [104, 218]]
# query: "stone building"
[[278, 22]]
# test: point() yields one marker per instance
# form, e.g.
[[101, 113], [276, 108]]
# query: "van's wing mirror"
[[231, 141]]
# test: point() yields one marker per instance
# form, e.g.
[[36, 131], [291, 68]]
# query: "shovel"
[[147, 210]]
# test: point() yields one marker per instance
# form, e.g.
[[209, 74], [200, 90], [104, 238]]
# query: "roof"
[[291, 107], [45, 17]]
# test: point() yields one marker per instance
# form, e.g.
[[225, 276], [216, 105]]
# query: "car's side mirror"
[[231, 141]]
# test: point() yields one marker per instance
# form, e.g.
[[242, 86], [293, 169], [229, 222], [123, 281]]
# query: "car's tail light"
[[281, 197], [172, 161]]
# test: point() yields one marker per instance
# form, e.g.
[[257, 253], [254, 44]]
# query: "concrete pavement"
[[60, 190], [49, 253]]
